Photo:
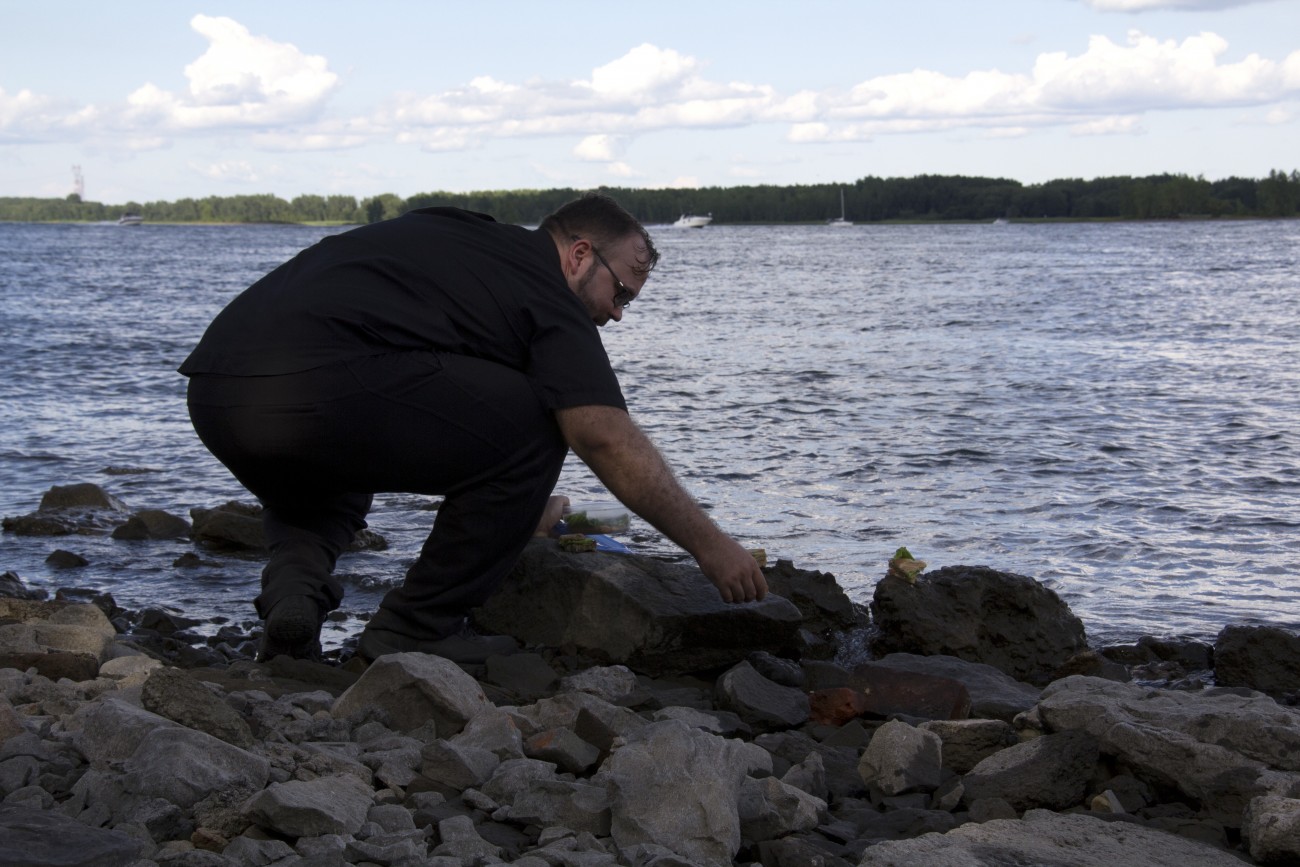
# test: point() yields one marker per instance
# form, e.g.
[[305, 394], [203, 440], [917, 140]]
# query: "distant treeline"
[[871, 199]]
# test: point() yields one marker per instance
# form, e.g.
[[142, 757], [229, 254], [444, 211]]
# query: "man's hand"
[[735, 573], [620, 454]]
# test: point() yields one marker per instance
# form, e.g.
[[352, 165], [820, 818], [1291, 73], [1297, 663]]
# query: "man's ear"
[[575, 257]]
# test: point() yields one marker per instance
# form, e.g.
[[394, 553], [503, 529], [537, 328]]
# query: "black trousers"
[[314, 447]]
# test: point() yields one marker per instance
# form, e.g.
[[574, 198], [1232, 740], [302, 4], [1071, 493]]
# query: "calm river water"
[[1110, 408]]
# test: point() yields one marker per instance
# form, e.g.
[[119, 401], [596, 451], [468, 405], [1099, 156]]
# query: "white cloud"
[[642, 73], [601, 148], [239, 171], [1115, 125], [277, 95], [240, 81], [1107, 80]]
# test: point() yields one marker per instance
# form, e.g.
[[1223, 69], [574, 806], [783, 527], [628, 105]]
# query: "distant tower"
[[78, 182]]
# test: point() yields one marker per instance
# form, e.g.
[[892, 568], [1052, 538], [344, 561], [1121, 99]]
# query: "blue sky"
[[164, 99]]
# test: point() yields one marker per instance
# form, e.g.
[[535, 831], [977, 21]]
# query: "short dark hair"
[[603, 222]]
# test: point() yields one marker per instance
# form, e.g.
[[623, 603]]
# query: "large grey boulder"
[[184, 766], [1265, 658], [412, 689], [1221, 747], [1044, 837], [1011, 622], [47, 838], [679, 787], [111, 729], [655, 617], [1050, 772], [900, 758], [310, 808]]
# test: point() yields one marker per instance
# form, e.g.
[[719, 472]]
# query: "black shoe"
[[466, 647], [293, 630]]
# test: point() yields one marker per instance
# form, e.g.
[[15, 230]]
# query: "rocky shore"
[[644, 723]]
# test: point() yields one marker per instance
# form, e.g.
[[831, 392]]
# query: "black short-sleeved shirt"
[[433, 279]]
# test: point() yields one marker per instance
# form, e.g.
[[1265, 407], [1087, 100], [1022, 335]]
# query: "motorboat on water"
[[693, 221], [130, 220], [840, 221]]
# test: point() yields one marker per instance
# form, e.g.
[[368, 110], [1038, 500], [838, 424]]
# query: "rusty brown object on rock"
[[835, 707], [889, 691]]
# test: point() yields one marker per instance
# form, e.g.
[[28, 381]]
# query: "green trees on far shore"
[[870, 199]]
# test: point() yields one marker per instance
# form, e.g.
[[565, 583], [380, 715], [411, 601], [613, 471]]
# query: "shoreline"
[[164, 747]]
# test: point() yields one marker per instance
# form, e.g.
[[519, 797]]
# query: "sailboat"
[[840, 221]]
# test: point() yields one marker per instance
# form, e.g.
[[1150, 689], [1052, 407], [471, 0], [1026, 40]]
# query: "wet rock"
[[232, 526], [152, 524], [825, 608], [12, 586], [84, 495], [1259, 657], [655, 617], [69, 509], [60, 559], [978, 614]]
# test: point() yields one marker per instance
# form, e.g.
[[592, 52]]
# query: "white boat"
[[1000, 221], [840, 221], [130, 220], [693, 221]]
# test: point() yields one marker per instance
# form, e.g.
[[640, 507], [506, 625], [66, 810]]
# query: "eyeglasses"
[[623, 296]]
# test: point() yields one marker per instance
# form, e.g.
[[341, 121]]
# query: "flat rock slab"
[[655, 617], [46, 838], [1043, 837]]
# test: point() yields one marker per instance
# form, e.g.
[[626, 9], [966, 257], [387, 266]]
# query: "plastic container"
[[601, 518]]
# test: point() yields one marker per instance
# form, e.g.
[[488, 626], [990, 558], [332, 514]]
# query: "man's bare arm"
[[622, 456]]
